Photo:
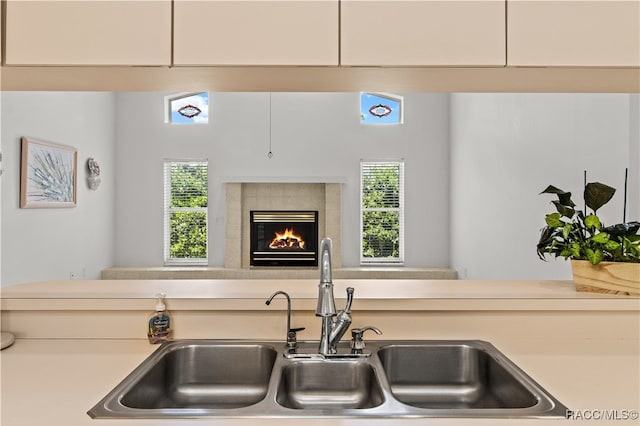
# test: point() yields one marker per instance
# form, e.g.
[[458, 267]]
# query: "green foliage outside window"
[[188, 211], [188, 235], [381, 235], [381, 210]]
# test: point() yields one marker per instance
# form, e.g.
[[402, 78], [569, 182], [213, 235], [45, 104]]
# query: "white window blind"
[[382, 212], [185, 212]]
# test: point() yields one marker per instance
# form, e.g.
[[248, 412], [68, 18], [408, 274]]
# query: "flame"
[[287, 240]]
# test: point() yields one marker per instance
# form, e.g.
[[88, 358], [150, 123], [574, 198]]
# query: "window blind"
[[185, 212], [382, 212]]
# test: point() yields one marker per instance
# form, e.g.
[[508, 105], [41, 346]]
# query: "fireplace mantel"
[[284, 179]]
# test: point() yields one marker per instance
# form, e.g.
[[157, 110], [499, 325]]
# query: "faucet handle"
[[357, 334], [347, 308], [292, 337]]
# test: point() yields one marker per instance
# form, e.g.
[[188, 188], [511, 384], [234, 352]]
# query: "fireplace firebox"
[[284, 238]]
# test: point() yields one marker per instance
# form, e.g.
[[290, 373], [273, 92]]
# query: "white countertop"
[[370, 294], [576, 345]]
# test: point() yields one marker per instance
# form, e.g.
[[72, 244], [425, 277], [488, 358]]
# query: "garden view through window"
[[186, 212], [382, 217]]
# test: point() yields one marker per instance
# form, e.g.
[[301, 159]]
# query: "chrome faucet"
[[332, 329], [292, 341]]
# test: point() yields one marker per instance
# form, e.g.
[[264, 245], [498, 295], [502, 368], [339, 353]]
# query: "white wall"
[[313, 135], [505, 149], [49, 244]]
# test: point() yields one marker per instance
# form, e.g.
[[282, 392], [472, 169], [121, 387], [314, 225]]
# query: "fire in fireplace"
[[284, 238], [287, 240]]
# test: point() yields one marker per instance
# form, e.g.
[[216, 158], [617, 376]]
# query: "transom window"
[[381, 108], [382, 212], [185, 212], [187, 108]]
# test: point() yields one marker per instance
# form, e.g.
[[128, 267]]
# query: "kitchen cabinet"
[[256, 32], [422, 33], [584, 33], [88, 32]]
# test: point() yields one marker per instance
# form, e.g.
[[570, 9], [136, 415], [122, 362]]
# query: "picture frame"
[[48, 175]]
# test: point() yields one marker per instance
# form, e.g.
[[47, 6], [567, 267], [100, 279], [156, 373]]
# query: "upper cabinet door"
[[422, 32], [88, 32], [256, 32], [582, 33]]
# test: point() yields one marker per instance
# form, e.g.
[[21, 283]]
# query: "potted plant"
[[603, 258]]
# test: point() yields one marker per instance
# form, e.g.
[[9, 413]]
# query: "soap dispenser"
[[159, 328]]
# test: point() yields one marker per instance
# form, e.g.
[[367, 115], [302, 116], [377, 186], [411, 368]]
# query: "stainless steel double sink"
[[213, 378]]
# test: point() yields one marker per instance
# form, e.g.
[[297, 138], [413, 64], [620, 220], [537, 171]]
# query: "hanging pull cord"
[[270, 154]]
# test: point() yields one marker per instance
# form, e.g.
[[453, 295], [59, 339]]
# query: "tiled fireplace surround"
[[241, 197]]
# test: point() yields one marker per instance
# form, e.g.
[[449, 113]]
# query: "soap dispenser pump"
[[159, 323]]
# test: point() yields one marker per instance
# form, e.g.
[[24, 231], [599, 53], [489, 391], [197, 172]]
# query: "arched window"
[[381, 108], [186, 108]]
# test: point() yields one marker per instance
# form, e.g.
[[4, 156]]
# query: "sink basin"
[[393, 379], [328, 384], [197, 376], [452, 377], [204, 376]]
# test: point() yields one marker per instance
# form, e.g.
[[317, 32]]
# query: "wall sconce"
[[93, 180]]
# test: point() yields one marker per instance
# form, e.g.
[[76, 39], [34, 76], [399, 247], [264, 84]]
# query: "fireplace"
[[284, 238]]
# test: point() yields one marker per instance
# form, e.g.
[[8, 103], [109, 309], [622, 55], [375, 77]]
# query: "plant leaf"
[[575, 250], [565, 211], [600, 238], [592, 221], [564, 197], [623, 229], [552, 190], [546, 239], [566, 253], [612, 245], [597, 194], [594, 256], [553, 220]]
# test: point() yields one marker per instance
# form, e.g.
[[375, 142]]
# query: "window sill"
[[204, 272]]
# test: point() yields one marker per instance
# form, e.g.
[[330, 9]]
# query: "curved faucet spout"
[[268, 302], [292, 341]]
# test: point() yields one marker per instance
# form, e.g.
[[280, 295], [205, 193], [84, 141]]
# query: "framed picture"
[[48, 175]]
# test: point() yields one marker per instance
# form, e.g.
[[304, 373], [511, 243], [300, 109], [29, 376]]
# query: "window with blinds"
[[185, 212], [382, 215]]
